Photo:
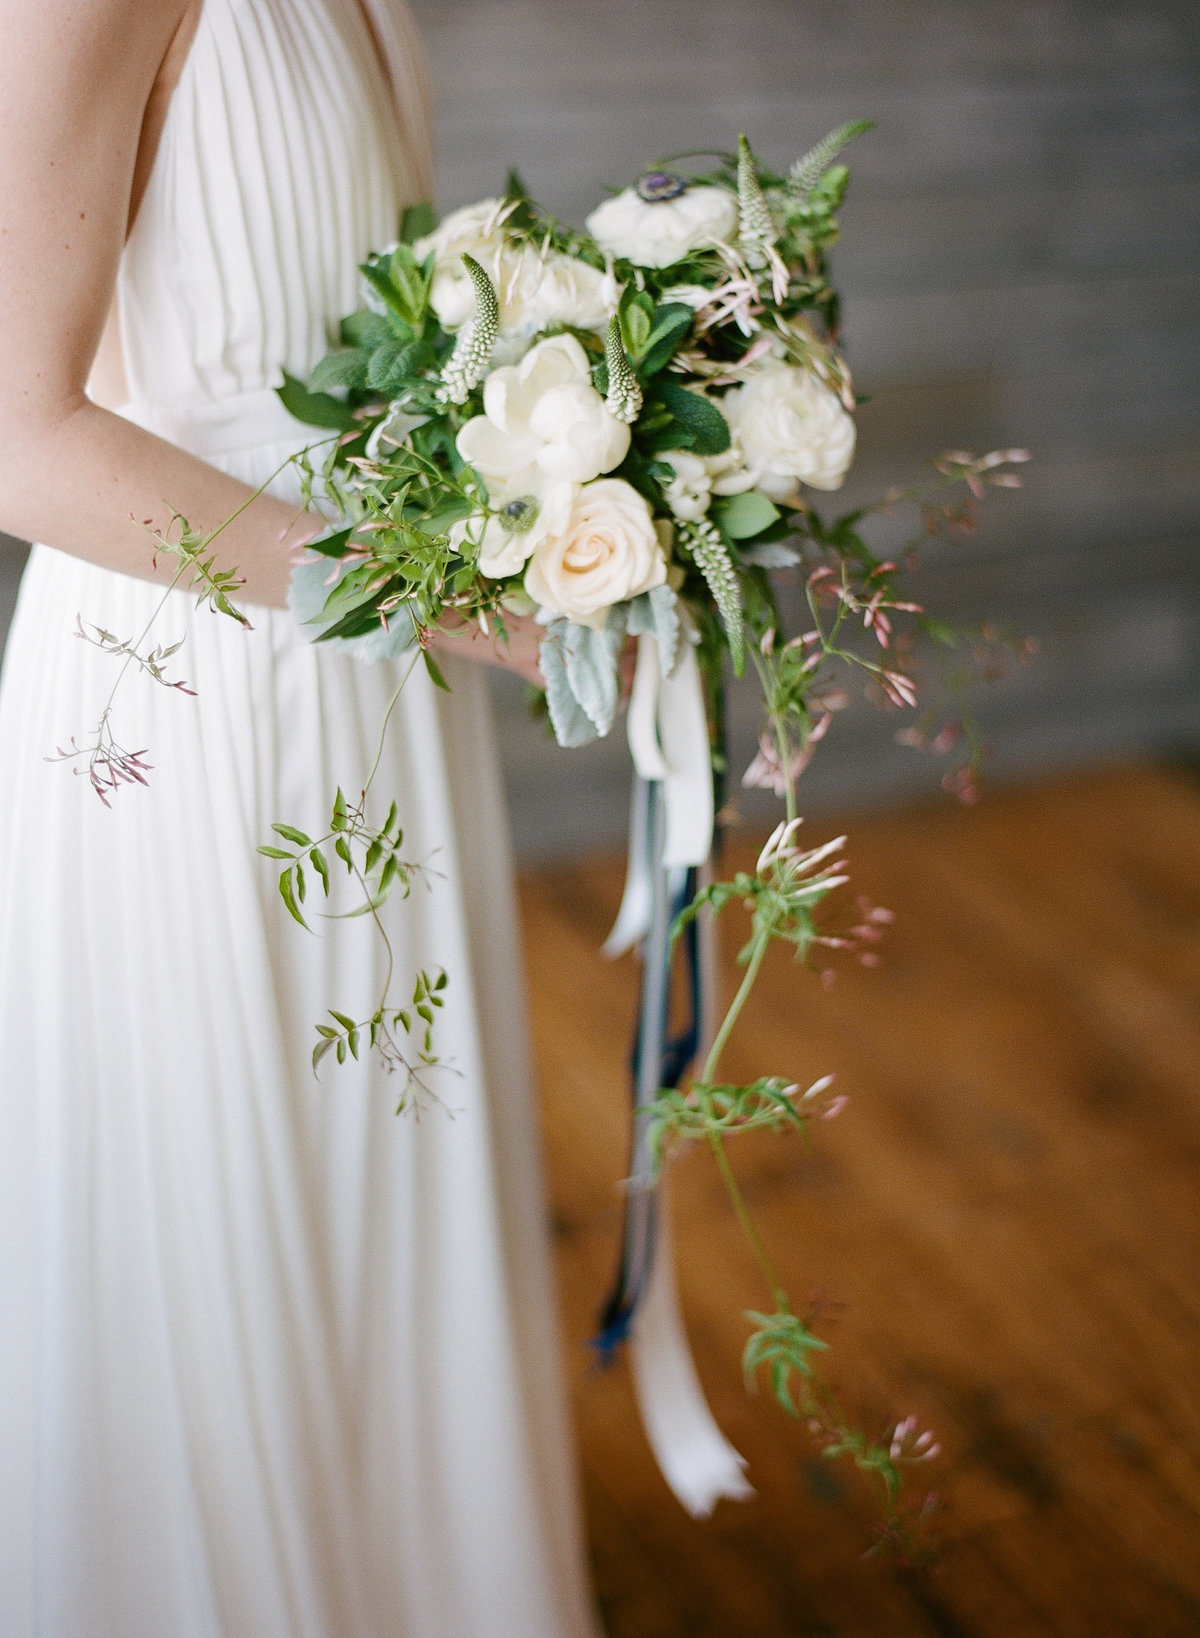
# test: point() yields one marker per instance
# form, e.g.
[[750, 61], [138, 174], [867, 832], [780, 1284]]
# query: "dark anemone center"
[[518, 515], [657, 186]]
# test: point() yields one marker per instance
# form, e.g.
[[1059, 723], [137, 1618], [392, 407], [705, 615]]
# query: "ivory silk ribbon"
[[671, 829]]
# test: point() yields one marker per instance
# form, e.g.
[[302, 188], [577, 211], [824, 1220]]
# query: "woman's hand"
[[516, 651]]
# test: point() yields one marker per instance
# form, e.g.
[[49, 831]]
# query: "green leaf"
[[315, 409], [274, 852], [417, 221], [291, 834], [346, 1022], [636, 313], [672, 321], [321, 866], [742, 516], [387, 875], [288, 895], [435, 674], [342, 848], [334, 545], [338, 821], [365, 329], [706, 427], [391, 364], [345, 367]]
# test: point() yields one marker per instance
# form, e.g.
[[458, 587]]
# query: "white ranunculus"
[[791, 429], [520, 522], [662, 233], [534, 290], [543, 414], [609, 551], [556, 289]]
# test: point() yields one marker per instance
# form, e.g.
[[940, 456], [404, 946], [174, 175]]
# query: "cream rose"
[[609, 551], [534, 291], [662, 232], [791, 429]]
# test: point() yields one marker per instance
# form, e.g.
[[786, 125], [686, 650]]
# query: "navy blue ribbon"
[[657, 1061]]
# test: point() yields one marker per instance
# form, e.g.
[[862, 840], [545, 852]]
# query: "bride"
[[273, 1362]]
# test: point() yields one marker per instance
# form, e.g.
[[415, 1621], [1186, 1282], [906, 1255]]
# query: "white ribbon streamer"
[[668, 740], [695, 1457]]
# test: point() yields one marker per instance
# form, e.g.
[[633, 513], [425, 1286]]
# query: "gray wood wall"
[[1020, 267]]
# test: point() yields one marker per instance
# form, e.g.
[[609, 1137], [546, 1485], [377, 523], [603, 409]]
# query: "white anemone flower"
[[526, 512], [543, 414], [663, 220]]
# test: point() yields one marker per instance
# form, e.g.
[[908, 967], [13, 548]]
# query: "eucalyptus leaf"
[[744, 515]]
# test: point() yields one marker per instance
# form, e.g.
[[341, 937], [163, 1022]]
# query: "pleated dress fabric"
[[274, 1362]]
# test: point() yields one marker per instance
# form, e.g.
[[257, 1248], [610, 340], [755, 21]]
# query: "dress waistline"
[[223, 426]]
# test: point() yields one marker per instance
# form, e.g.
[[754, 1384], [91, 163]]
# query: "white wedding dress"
[[274, 1363]]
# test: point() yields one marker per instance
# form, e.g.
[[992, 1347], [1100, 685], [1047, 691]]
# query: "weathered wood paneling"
[[1019, 267]]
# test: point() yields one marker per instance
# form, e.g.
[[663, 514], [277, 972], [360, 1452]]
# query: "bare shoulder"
[[82, 88], [101, 45]]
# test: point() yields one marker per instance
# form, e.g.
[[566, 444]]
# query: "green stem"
[[783, 745], [714, 1138], [738, 1199], [739, 1001], [387, 717]]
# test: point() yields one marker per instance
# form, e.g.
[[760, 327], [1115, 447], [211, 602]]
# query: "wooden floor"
[[1009, 1211]]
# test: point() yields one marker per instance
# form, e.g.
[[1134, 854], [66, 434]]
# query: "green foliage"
[[371, 855], [785, 1345], [402, 283], [343, 368], [711, 556], [808, 170], [722, 1108], [694, 422], [743, 516], [315, 409], [381, 1033], [417, 222]]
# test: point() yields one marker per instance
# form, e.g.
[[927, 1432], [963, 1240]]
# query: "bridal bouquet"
[[611, 429], [619, 432]]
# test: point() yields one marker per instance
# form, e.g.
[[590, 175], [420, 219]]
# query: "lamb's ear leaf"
[[590, 658], [571, 723]]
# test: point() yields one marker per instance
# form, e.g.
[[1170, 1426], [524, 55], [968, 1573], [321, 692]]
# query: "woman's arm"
[[76, 78]]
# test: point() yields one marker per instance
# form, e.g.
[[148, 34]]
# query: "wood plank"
[[1004, 1218]]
